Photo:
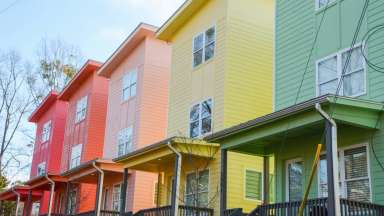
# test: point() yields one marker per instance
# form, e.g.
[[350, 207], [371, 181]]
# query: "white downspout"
[[335, 158], [101, 183], [17, 200], [177, 175], [50, 194]]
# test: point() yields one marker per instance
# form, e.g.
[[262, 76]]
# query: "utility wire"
[[9, 6]]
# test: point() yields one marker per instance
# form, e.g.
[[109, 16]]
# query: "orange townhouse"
[[138, 73], [49, 118], [87, 96]]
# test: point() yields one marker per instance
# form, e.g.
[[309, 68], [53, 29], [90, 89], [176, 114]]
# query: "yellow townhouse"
[[221, 75]]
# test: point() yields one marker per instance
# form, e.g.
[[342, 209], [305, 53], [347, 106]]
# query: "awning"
[[42, 183], [298, 120], [87, 173], [11, 193], [158, 155]]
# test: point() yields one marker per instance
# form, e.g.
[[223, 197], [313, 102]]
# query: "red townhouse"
[[49, 118]]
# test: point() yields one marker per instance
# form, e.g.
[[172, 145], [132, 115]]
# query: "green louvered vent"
[[253, 184]]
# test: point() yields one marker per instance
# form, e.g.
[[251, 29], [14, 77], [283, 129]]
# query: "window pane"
[[203, 181], [354, 83], [327, 70], [253, 184], [206, 126], [358, 190], [209, 51], [203, 199], [209, 36], [206, 108], [329, 87], [295, 181], [197, 58], [323, 181], [194, 129], [322, 3], [189, 200], [133, 83], [198, 42], [356, 60], [194, 114], [191, 183], [356, 165]]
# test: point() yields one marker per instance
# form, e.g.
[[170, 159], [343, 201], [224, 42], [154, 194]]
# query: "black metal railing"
[[92, 213], [183, 211], [319, 207], [234, 212]]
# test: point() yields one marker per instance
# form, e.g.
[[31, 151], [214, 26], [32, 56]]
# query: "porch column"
[[332, 170], [223, 181], [175, 186], [266, 180], [52, 191], [67, 191], [29, 204], [99, 193], [123, 193]]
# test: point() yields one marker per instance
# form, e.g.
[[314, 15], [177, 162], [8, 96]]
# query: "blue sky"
[[97, 27]]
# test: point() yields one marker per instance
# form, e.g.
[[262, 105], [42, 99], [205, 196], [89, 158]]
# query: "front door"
[[294, 180]]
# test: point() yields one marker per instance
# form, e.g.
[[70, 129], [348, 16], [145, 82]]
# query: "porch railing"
[[234, 212], [319, 207], [183, 211], [92, 213]]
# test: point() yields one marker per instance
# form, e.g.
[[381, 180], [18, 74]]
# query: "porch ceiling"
[[42, 183], [299, 120], [158, 156], [10, 194]]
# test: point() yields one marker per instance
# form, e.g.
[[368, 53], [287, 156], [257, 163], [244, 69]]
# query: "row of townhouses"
[[220, 112]]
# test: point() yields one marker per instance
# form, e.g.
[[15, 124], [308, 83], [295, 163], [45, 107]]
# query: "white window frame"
[[198, 173], [200, 134], [81, 109], [46, 131], [204, 45], [287, 175], [340, 66], [104, 202], [125, 133], [342, 179], [41, 168], [131, 84], [113, 196], [75, 160], [245, 184]]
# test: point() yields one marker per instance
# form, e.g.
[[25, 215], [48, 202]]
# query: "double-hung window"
[[116, 197], [322, 3], [124, 141], [129, 85], [81, 108], [253, 184], [333, 75], [200, 119], [204, 46], [197, 189], [353, 173], [46, 132], [41, 169], [76, 156]]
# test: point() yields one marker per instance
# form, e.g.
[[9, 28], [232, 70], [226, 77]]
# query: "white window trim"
[[44, 170], [129, 73], [200, 119], [46, 134], [340, 70], [342, 180], [287, 176], [78, 120], [194, 172], [125, 146], [105, 197], [203, 56], [245, 184], [120, 184], [71, 158], [330, 3]]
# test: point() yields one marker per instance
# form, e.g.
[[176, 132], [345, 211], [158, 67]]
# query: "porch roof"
[[42, 183], [11, 193], [87, 173], [298, 119], [158, 155]]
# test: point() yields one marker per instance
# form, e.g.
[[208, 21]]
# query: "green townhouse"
[[329, 89]]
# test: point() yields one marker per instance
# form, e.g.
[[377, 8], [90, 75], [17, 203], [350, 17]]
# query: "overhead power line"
[[9, 6]]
